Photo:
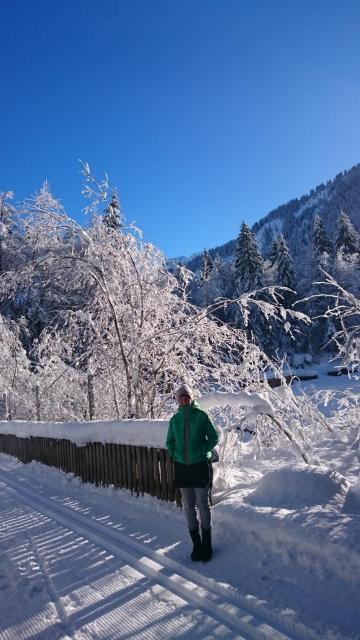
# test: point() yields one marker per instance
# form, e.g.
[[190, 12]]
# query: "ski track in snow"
[[112, 586]]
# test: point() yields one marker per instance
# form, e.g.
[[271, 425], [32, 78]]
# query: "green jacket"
[[191, 435]]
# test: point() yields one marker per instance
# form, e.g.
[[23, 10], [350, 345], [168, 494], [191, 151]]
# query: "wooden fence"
[[139, 469]]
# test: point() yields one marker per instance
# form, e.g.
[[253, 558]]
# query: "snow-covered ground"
[[84, 562]]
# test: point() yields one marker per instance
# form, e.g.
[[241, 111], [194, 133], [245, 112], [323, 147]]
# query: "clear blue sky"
[[203, 112]]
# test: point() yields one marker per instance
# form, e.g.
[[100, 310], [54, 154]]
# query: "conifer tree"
[[273, 255], [267, 242], [207, 266], [249, 265], [321, 240], [286, 275], [112, 217], [347, 240]]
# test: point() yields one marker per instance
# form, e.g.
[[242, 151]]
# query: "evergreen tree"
[[222, 274], [207, 266], [218, 285], [112, 217], [321, 240], [249, 265], [286, 275], [273, 255], [347, 240], [267, 242]]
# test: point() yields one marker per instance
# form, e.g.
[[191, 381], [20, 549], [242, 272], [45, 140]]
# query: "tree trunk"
[[6, 406], [91, 396], [37, 402]]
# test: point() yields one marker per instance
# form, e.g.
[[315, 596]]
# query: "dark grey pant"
[[193, 499]]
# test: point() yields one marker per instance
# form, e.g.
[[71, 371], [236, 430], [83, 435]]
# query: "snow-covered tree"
[[205, 293], [273, 253], [286, 276], [267, 241], [61, 373], [321, 240], [222, 278], [16, 379], [347, 239], [249, 265], [218, 284], [343, 310], [48, 233], [184, 278], [112, 217], [322, 258], [207, 266], [10, 242]]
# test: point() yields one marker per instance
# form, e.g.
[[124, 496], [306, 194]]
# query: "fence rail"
[[139, 469]]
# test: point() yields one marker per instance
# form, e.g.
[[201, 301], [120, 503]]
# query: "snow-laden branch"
[[256, 403], [345, 312], [270, 310]]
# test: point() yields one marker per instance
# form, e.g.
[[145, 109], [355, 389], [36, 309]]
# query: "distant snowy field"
[[286, 538]]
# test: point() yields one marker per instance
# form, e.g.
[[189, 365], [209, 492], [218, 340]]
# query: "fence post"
[[37, 402], [91, 395]]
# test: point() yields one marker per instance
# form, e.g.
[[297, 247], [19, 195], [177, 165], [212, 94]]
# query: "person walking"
[[191, 437]]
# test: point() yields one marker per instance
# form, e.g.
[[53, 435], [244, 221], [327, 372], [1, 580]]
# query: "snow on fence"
[[125, 453], [141, 469]]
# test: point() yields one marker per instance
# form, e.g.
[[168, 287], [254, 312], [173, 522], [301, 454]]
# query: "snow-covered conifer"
[[218, 284], [322, 257], [249, 265], [347, 239], [321, 240], [207, 266], [286, 276], [273, 254], [112, 217], [205, 294], [267, 241]]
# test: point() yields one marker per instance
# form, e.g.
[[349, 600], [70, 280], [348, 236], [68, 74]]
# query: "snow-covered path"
[[82, 562], [65, 573]]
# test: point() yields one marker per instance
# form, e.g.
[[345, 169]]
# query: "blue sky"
[[204, 113]]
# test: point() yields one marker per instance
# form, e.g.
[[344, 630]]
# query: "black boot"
[[196, 553], [206, 545]]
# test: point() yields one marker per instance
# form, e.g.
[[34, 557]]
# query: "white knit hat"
[[184, 390]]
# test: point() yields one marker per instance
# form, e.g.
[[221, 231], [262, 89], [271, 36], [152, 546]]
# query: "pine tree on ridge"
[[249, 265]]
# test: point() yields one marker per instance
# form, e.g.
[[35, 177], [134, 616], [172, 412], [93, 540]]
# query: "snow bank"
[[352, 502], [306, 517], [284, 488], [150, 433]]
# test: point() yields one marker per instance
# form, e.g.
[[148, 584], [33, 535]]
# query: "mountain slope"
[[326, 200]]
